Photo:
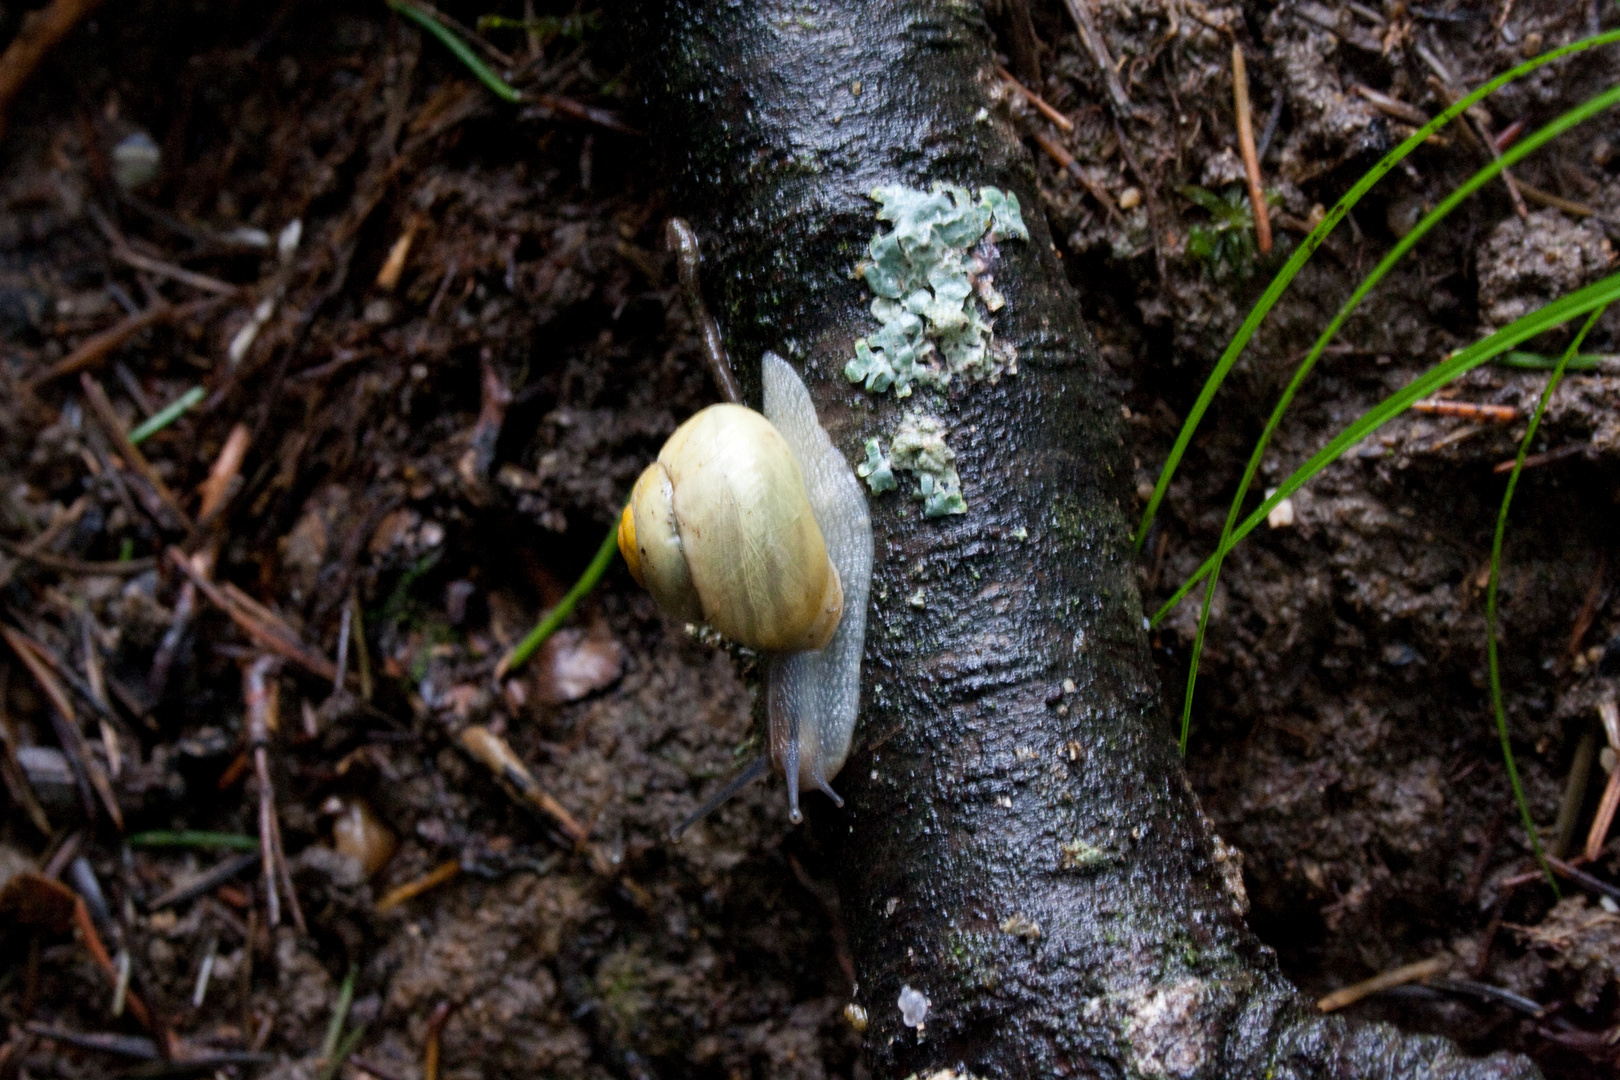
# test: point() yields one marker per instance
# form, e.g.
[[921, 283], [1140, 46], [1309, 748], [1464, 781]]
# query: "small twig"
[[11, 770], [1583, 879], [259, 692], [554, 618], [681, 240], [98, 953], [1569, 806], [440, 874], [1546, 457], [1064, 124], [1471, 128], [430, 1049], [36, 37], [496, 755], [269, 639], [214, 491], [1080, 11], [1610, 713], [1349, 995], [1066, 160], [66, 564], [102, 409], [1389, 106], [1595, 596], [65, 720], [1467, 410], [209, 881], [95, 351], [1251, 159], [168, 270]]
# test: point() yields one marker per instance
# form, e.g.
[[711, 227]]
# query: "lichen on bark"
[[984, 792]]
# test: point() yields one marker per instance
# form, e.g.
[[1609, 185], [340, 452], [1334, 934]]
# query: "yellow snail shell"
[[757, 526]]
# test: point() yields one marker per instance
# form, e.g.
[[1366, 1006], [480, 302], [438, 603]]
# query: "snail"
[[756, 525]]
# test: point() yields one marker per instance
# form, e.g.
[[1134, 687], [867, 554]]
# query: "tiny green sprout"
[[876, 470], [1226, 241]]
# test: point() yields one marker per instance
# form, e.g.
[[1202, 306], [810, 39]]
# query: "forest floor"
[[437, 336]]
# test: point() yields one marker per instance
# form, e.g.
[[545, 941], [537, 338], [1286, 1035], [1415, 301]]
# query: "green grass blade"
[[1529, 361], [1563, 123], [1567, 307], [340, 1014], [1496, 576], [565, 607], [1308, 247], [486, 75], [192, 838], [165, 416]]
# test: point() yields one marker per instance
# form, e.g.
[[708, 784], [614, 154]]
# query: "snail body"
[[757, 525]]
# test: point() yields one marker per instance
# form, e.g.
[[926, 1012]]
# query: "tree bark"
[[1032, 860]]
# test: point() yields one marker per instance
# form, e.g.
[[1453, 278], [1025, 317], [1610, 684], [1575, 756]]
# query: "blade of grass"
[[166, 415], [1580, 302], [1308, 247], [340, 1013], [193, 838], [554, 618], [1563, 123], [1496, 576], [475, 64]]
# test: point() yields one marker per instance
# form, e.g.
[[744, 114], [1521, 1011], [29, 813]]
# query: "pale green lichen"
[[920, 449], [876, 470], [923, 275]]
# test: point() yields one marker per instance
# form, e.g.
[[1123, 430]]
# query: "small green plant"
[[1587, 301], [1225, 243]]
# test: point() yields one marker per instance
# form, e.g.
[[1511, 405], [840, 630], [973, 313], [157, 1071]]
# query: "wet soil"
[[452, 373]]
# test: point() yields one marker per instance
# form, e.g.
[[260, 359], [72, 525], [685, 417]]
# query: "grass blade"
[[565, 607], [1563, 123], [1496, 576], [1308, 247], [165, 416], [485, 74], [1580, 302]]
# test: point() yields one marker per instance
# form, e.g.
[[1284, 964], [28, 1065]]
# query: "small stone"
[[1130, 198]]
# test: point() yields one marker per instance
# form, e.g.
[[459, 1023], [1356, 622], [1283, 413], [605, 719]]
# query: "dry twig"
[[39, 34], [1064, 124], [1349, 995], [1610, 713], [259, 692], [1080, 11], [1251, 159]]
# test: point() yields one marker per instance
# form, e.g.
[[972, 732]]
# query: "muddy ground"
[[447, 380]]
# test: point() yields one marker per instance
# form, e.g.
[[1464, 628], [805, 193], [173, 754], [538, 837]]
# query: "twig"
[[1067, 161], [36, 37], [683, 242], [64, 720], [1582, 878], [495, 754], [206, 283], [430, 1049], [1080, 11], [101, 408], [1349, 995], [95, 351], [1472, 129], [440, 874], [217, 487], [67, 564], [1595, 596], [1251, 160], [271, 640], [554, 618], [98, 953], [258, 688], [1546, 457], [1064, 124], [210, 880], [1468, 410], [1610, 714], [1569, 807], [11, 770]]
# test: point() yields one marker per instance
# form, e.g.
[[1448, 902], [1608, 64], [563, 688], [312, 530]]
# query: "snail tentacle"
[[753, 771]]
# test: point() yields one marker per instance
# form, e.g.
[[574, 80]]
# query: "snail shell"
[[758, 526]]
